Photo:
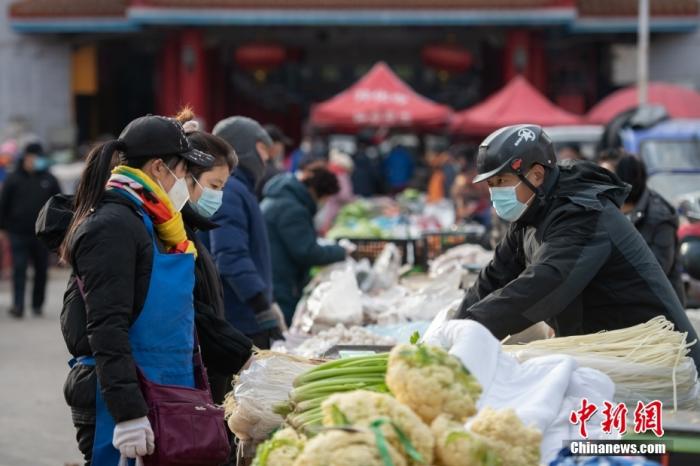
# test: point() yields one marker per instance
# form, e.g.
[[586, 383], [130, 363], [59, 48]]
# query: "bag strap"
[[200, 372]]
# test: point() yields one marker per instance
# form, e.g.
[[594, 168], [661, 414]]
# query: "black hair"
[[223, 153], [321, 180], [611, 156], [632, 170], [98, 167]]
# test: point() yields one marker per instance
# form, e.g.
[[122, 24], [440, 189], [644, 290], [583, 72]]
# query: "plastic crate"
[[371, 248], [439, 242]]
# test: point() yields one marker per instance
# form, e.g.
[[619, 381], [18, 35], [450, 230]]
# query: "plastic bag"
[[337, 301], [265, 383]]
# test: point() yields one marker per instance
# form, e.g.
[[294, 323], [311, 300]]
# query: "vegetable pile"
[[405, 408], [303, 409], [646, 361]]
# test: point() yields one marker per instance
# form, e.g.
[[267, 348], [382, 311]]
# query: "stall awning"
[[518, 102], [680, 102], [379, 99]]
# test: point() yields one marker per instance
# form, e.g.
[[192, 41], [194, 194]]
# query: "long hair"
[[91, 188]]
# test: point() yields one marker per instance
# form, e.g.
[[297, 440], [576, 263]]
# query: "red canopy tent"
[[379, 99], [680, 102], [518, 102]]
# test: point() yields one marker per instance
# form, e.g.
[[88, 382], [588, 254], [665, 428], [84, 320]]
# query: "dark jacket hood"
[[287, 186], [580, 182], [55, 217], [585, 182], [54, 220]]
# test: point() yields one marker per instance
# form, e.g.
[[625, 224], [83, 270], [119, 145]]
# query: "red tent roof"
[[379, 99], [680, 102], [518, 102]]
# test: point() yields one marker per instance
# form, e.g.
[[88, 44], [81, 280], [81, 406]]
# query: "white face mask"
[[178, 194]]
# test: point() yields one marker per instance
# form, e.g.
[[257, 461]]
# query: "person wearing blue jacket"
[[289, 207], [240, 245]]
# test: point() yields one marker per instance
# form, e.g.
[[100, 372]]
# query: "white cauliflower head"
[[342, 448], [515, 443], [432, 382], [455, 446], [363, 408], [281, 450], [493, 438]]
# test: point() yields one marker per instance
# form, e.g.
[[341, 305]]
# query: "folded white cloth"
[[542, 391]]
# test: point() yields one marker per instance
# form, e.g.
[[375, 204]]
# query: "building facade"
[[273, 59]]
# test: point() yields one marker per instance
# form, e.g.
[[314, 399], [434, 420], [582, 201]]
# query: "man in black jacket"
[[570, 257], [25, 191]]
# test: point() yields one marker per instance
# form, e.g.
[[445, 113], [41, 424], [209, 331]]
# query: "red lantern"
[[258, 56], [448, 57]]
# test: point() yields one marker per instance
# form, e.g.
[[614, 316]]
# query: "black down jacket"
[[657, 221], [116, 235], [574, 261]]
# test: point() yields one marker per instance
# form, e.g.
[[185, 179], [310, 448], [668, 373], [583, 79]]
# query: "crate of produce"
[[437, 243], [412, 250]]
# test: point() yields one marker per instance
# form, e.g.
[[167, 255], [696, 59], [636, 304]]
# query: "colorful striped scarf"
[[140, 189]]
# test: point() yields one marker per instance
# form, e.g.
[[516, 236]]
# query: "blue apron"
[[162, 338]]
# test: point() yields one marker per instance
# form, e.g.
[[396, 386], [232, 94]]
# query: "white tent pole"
[[643, 53]]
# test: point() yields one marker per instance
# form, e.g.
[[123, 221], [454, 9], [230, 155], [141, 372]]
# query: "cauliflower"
[[516, 444], [493, 438], [343, 448], [281, 450], [432, 382], [363, 408], [455, 446]]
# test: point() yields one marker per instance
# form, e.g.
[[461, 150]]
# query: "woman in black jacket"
[[128, 246], [224, 348]]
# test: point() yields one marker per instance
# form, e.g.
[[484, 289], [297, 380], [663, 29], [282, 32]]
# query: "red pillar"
[[524, 54], [168, 90], [193, 72]]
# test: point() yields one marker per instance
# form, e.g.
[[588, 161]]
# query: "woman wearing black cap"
[[224, 349], [128, 245]]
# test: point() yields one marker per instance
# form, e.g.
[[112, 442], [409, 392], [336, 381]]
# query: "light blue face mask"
[[209, 202], [41, 164], [505, 201]]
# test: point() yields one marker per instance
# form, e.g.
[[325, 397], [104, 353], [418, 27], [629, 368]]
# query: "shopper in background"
[[442, 175], [275, 164], [655, 219], [398, 167], [569, 151], [367, 177], [340, 164], [224, 349], [240, 244], [289, 207], [24, 193]]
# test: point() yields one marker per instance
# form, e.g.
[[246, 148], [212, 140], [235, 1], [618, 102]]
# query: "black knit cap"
[[154, 135]]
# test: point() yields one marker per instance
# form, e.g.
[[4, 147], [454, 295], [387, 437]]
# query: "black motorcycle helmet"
[[690, 256], [514, 149]]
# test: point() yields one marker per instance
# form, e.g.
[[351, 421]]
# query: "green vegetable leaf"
[[403, 439], [415, 337], [339, 418]]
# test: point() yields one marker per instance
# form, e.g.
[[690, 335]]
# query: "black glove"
[[268, 316]]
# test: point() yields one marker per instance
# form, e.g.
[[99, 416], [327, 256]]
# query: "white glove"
[[348, 245], [134, 438], [124, 461]]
